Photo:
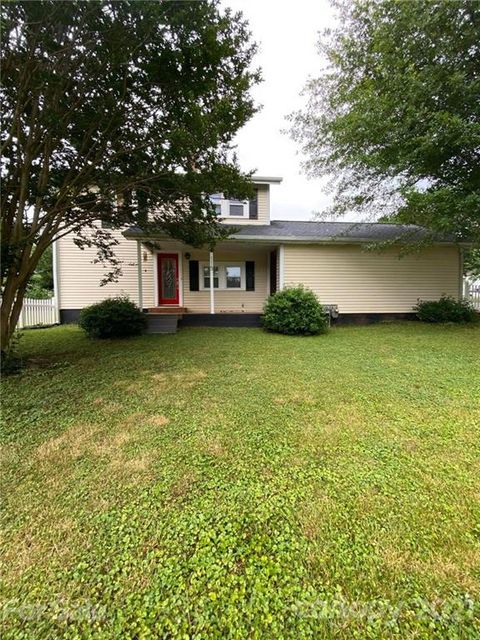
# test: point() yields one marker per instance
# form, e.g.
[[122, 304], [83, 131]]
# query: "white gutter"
[[212, 294], [139, 275]]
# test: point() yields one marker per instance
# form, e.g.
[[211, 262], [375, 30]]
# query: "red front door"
[[168, 278]]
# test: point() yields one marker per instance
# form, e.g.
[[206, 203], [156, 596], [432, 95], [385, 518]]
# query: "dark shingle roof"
[[300, 231], [337, 231]]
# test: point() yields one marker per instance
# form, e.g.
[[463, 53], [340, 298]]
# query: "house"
[[182, 285]]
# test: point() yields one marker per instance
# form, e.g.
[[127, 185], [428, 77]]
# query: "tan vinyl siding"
[[373, 282], [229, 301], [356, 280], [79, 278], [263, 205]]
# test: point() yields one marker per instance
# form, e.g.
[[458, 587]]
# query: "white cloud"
[[287, 33]]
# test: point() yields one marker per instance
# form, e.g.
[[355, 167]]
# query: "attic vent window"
[[237, 209]]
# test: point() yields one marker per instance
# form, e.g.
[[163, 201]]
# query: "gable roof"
[[326, 232]]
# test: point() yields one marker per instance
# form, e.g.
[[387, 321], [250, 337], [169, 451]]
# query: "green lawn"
[[228, 483]]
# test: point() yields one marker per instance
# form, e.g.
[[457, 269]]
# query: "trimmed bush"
[[294, 311], [447, 309], [112, 318]]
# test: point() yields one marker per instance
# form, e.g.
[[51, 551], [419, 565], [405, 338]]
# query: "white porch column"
[[139, 275], [281, 267], [212, 294]]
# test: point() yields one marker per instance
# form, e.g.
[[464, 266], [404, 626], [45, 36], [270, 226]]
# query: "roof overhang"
[[134, 234], [266, 180], [340, 240]]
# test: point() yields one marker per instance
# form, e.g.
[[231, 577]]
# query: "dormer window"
[[216, 199], [229, 208], [238, 208]]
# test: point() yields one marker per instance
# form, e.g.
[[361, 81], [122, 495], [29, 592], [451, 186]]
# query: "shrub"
[[447, 309], [294, 311], [112, 318]]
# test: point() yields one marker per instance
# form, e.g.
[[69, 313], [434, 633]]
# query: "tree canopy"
[[472, 263], [395, 114], [112, 109]]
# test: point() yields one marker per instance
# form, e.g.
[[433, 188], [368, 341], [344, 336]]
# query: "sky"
[[286, 32]]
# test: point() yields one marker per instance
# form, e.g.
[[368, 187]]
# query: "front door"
[[168, 278]]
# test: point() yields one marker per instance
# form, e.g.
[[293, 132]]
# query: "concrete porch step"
[[168, 310], [162, 323]]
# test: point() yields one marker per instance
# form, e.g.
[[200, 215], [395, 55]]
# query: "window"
[[233, 277], [229, 208], [227, 275], [236, 208], [206, 277], [216, 199]]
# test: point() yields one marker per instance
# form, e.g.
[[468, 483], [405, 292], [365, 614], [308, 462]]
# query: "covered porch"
[[179, 285]]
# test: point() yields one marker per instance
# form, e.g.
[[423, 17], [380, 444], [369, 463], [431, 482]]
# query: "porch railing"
[[471, 292]]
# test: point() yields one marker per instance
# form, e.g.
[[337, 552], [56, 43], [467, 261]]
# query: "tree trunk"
[[15, 285], [12, 302]]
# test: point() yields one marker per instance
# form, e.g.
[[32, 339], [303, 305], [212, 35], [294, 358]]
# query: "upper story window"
[[238, 208], [216, 199], [232, 208]]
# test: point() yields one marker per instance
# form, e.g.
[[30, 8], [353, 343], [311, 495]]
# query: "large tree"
[[471, 263], [112, 109], [395, 114]]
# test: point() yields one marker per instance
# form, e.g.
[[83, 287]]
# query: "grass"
[[227, 483]]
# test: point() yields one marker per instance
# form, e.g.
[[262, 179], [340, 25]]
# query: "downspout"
[[56, 288], [139, 275], [212, 295]]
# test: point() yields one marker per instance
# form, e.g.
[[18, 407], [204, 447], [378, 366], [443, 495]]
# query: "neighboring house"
[[174, 281]]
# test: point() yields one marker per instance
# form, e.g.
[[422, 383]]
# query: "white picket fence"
[[36, 313], [471, 292]]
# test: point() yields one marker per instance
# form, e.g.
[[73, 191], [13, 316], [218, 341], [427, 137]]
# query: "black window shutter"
[[273, 272], [250, 275], [253, 207], [193, 273]]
